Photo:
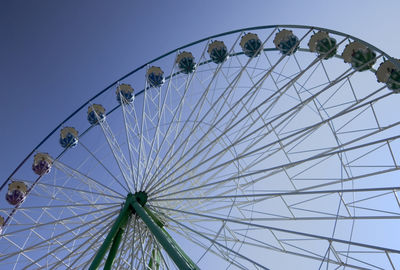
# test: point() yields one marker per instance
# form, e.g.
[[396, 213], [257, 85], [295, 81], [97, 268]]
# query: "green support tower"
[[135, 205]]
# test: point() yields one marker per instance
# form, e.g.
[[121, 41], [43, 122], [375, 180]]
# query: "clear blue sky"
[[55, 55]]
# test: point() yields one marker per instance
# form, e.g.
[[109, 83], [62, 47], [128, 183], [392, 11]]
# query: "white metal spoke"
[[254, 152], [308, 235]]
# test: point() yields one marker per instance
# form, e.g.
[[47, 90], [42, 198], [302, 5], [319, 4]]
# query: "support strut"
[[113, 250], [134, 205], [119, 223]]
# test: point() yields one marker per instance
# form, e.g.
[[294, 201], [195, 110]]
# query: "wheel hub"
[[141, 197]]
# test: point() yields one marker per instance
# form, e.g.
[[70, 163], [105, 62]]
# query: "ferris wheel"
[[271, 147]]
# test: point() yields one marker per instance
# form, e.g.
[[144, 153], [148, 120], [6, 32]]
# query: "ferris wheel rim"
[[397, 64], [143, 91]]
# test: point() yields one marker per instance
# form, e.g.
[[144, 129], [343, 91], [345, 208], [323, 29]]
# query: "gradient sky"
[[55, 55]]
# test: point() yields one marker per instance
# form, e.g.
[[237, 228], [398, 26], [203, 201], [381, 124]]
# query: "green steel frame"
[[135, 205]]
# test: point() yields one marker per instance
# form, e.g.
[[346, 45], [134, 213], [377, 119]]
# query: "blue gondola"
[[323, 44], [251, 45], [96, 113], [155, 76], [41, 163], [389, 74], [186, 63], [16, 192], [68, 137], [126, 93], [286, 42], [218, 52], [359, 56]]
